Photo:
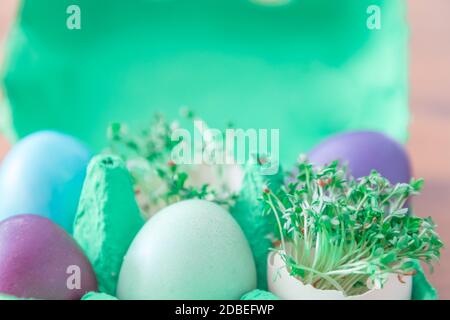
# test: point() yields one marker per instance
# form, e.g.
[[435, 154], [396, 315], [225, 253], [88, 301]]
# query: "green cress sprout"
[[340, 233], [158, 181]]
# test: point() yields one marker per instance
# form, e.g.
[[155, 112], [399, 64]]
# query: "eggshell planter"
[[287, 287]]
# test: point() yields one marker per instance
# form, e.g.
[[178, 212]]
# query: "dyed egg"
[[43, 174], [191, 250], [364, 151], [38, 259]]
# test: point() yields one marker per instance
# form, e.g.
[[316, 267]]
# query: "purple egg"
[[38, 259], [364, 151]]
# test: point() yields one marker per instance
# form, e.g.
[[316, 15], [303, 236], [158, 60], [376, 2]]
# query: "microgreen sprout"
[[158, 180], [340, 233]]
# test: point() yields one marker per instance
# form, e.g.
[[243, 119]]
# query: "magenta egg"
[[38, 259], [364, 151]]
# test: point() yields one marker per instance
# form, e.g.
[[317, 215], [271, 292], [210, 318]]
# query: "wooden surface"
[[7, 11], [429, 144]]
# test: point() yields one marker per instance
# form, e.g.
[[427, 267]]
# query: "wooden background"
[[429, 144]]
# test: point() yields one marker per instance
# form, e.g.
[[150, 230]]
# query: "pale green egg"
[[193, 249]]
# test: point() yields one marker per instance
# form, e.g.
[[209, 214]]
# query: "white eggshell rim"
[[286, 287]]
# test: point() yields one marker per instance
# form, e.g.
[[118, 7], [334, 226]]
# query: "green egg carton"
[[311, 68]]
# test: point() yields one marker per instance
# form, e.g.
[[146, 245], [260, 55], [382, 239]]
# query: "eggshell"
[[283, 285], [364, 151], [150, 185], [190, 250], [38, 259], [43, 174], [218, 177]]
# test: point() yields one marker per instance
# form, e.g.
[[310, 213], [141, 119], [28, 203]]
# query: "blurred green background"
[[310, 68]]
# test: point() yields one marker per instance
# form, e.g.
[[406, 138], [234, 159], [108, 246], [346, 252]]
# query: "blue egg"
[[43, 174]]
